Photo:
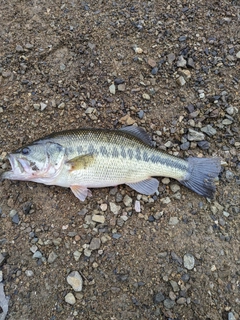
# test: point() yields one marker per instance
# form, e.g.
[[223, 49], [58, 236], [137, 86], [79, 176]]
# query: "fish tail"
[[201, 175]]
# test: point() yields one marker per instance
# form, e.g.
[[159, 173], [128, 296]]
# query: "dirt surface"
[[168, 67]]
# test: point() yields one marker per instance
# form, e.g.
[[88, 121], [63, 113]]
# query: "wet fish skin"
[[90, 158]]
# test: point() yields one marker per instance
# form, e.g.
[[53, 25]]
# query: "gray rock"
[[98, 218], [52, 257], [15, 219], [181, 81], [169, 304], [37, 255], [174, 285], [3, 303], [146, 96], [29, 273], [43, 106], [173, 221], [116, 235], [127, 201], [195, 135], [190, 63], [188, 261], [181, 300], [176, 258], [69, 298], [118, 81], [174, 187], [209, 130], [154, 71], [181, 62], [113, 191], [159, 297], [121, 87], [231, 316], [229, 175], [238, 55], [171, 57], [75, 280], [19, 48], [112, 89], [140, 114], [95, 244], [227, 122], [114, 208], [182, 38], [1, 276], [185, 145], [204, 145]]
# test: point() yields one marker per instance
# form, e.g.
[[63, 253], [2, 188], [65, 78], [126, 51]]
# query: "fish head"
[[38, 162]]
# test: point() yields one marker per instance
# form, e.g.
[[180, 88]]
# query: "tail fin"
[[201, 175]]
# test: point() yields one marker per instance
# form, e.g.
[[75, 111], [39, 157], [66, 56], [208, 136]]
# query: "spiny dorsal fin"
[[80, 162], [139, 133]]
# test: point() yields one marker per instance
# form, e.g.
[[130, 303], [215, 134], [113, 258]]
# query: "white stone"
[[75, 280], [69, 298]]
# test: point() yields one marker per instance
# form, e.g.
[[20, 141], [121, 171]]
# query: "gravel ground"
[[170, 67]]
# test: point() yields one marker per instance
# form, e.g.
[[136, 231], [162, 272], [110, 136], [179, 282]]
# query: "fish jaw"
[[21, 169]]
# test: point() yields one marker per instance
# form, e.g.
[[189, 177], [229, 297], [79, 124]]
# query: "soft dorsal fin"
[[139, 133], [80, 162]]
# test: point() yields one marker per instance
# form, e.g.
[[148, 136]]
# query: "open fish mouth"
[[20, 169]]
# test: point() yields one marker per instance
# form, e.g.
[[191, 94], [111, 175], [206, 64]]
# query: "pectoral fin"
[[80, 162], [148, 186], [81, 192]]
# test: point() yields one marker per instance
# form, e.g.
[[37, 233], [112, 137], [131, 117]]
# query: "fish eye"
[[25, 151]]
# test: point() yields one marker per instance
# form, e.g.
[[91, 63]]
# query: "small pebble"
[[98, 218], [75, 280], [230, 314], [182, 38], [171, 58], [69, 298], [159, 297], [181, 300], [154, 71], [112, 89], [114, 208], [204, 145], [173, 221], [127, 201], [95, 244], [29, 273], [121, 87], [52, 257], [209, 130], [188, 261], [195, 135], [77, 255], [181, 81], [146, 96], [15, 219], [174, 187], [168, 303], [140, 114], [137, 206], [181, 62]]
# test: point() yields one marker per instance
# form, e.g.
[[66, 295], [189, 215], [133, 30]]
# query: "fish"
[[81, 159]]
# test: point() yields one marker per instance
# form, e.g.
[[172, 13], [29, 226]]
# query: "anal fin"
[[147, 187], [81, 192]]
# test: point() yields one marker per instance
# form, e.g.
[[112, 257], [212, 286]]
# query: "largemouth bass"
[[95, 158]]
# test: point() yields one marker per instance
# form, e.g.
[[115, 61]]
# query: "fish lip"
[[16, 164]]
